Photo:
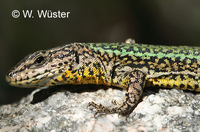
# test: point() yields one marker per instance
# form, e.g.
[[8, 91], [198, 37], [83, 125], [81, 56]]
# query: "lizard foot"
[[102, 109]]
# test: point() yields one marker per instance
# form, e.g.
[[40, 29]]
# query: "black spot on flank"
[[162, 85], [189, 87], [94, 65], [156, 80], [65, 62], [87, 64], [196, 86], [60, 64], [73, 71], [46, 70], [98, 65], [182, 86], [181, 76], [91, 73], [156, 85], [191, 76], [63, 77], [98, 76], [168, 86], [56, 80], [27, 78], [60, 71], [175, 86], [53, 65], [20, 79], [174, 77]]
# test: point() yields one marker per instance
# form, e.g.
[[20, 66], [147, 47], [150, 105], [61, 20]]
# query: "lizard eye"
[[39, 60]]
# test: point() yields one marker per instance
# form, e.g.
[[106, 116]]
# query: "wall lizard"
[[126, 65]]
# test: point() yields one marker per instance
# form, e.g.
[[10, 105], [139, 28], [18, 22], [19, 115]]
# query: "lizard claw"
[[115, 102]]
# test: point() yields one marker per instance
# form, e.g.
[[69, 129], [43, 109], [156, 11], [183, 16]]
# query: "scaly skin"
[[127, 65]]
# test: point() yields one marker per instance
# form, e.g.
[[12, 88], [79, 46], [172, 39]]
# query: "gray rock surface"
[[167, 110]]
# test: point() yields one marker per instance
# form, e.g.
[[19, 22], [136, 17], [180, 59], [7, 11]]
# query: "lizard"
[[127, 65]]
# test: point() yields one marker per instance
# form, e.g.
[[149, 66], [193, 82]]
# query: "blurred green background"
[[171, 22]]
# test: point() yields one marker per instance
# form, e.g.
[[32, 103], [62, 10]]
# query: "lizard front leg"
[[135, 84]]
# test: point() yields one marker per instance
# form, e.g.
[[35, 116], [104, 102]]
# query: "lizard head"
[[41, 68]]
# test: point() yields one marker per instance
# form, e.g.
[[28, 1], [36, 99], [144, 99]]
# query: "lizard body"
[[128, 65]]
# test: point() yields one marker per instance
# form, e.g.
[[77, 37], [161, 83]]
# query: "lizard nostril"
[[10, 74]]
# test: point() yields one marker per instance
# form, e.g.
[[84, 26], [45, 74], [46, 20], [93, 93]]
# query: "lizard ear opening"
[[77, 57]]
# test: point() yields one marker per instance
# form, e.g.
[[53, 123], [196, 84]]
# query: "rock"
[[166, 110]]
